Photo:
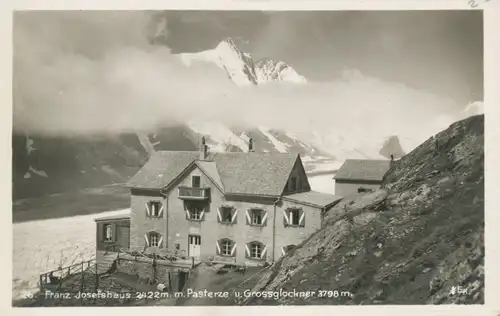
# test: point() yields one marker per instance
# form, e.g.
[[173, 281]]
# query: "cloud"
[[83, 72]]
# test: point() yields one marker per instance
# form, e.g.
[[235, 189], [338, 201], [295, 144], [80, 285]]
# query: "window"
[[256, 250], [195, 181], [227, 215], [194, 210], [256, 217], [108, 232], [364, 190], [294, 217], [154, 209], [153, 239], [226, 247], [195, 215]]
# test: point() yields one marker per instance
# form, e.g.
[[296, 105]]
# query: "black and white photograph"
[[248, 158]]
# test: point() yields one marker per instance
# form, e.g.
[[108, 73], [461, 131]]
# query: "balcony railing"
[[194, 193]]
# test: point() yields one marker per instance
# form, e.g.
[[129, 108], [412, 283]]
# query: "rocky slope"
[[412, 242]]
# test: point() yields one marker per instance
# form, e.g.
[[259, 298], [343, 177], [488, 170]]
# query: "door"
[[124, 236], [194, 245]]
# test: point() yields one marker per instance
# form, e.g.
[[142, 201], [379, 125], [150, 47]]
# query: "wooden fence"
[[54, 279]]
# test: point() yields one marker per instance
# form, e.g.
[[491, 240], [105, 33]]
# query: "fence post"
[[96, 278], [169, 282], [41, 282], [81, 285]]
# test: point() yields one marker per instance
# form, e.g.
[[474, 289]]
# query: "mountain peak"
[[240, 67], [229, 41]]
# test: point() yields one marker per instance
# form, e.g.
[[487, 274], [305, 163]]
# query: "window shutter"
[[233, 250], [202, 214], [148, 209], [302, 220], [249, 220], [188, 215], [283, 252], [247, 251], [218, 247], [219, 216], [233, 219], [286, 220], [264, 219], [160, 242], [263, 254], [160, 213], [146, 239], [114, 232]]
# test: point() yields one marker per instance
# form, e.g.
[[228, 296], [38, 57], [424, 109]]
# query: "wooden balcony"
[[190, 193]]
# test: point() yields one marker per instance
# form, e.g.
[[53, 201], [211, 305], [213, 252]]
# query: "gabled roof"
[[236, 173], [363, 169], [162, 168], [255, 173], [113, 217], [313, 198]]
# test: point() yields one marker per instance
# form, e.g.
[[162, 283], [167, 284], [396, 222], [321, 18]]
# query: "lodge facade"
[[242, 208]]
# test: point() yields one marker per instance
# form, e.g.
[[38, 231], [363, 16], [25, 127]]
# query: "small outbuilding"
[[360, 175]]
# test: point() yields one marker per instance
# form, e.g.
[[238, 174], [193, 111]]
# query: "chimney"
[[250, 145], [203, 149]]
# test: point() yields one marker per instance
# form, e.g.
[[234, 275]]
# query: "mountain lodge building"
[[241, 208]]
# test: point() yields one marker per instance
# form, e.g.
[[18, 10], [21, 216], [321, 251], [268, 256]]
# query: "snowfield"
[[322, 183], [44, 245]]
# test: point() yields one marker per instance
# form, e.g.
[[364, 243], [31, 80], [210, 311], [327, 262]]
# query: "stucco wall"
[[140, 223], [295, 235], [351, 188]]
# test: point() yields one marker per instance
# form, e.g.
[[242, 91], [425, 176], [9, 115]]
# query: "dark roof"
[[162, 168], [113, 217], [236, 173], [363, 169], [313, 198], [255, 173]]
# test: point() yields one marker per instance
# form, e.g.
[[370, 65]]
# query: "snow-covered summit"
[[268, 70], [240, 66]]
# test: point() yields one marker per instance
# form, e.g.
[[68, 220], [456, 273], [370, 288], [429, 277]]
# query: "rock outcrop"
[[417, 240]]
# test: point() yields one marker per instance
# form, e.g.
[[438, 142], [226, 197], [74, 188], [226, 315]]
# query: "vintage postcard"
[[249, 156]]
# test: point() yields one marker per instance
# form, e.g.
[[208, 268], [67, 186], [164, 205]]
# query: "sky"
[[369, 73]]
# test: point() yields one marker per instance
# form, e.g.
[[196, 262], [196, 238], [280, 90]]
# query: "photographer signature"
[[476, 3]]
